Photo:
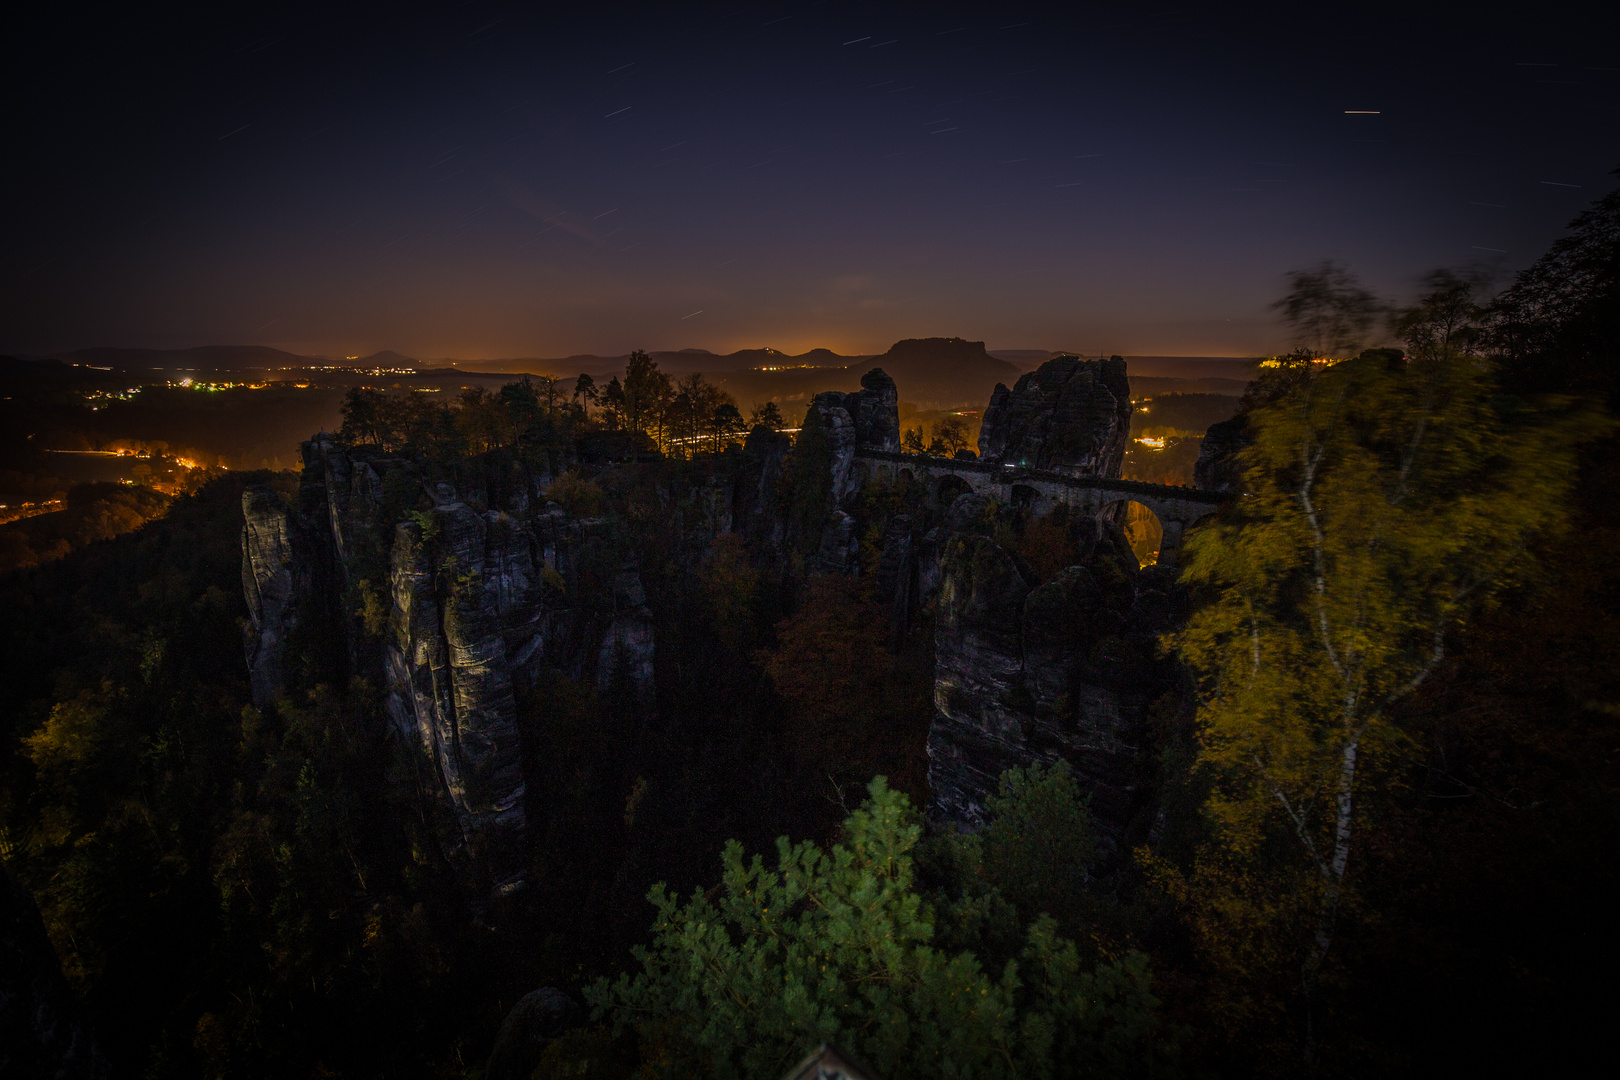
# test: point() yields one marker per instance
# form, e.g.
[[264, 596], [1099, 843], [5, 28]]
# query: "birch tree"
[[1388, 498]]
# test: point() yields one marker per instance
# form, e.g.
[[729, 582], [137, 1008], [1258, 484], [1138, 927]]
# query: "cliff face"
[[1069, 415], [458, 604], [1026, 670], [1217, 467], [276, 582], [468, 606], [868, 418], [1064, 670], [449, 683]]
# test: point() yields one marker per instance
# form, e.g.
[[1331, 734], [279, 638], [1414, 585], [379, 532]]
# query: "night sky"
[[494, 180]]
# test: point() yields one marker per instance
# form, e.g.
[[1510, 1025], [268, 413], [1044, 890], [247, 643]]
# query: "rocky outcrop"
[[938, 371], [868, 418], [42, 1031], [353, 492], [898, 560], [873, 411], [275, 582], [840, 548], [1217, 465], [450, 687], [479, 603], [755, 510], [1069, 415], [472, 600], [839, 431], [1063, 670], [899, 577], [420, 702], [875, 408], [978, 731]]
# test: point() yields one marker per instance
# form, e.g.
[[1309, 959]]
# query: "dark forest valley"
[[925, 724]]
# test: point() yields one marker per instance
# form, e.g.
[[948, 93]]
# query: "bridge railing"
[[1015, 473]]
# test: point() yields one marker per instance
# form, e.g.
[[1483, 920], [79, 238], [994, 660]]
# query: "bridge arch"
[[1173, 509], [948, 488], [1144, 529]]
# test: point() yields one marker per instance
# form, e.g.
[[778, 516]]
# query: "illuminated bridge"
[[1040, 492]]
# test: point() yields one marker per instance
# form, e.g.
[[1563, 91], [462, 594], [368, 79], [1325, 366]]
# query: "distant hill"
[[12, 368], [944, 359]]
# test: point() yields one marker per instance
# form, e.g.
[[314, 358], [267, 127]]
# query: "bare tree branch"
[[1294, 816]]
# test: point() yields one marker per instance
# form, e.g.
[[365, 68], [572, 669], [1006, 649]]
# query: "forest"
[[1383, 780]]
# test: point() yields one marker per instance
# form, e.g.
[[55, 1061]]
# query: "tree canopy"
[[837, 945], [1389, 498]]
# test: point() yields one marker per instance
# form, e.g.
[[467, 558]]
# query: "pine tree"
[[837, 946]]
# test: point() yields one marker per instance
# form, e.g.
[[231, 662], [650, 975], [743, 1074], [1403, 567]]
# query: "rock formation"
[[868, 418], [1217, 467], [1064, 670], [936, 371], [1069, 415], [449, 684], [754, 510], [625, 656], [275, 582], [459, 604], [473, 605]]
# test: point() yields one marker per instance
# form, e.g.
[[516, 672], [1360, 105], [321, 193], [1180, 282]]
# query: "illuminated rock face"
[[474, 618], [1061, 671], [449, 684], [479, 604], [1069, 415]]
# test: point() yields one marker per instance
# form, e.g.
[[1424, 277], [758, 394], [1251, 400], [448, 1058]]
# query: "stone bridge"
[[1040, 492]]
